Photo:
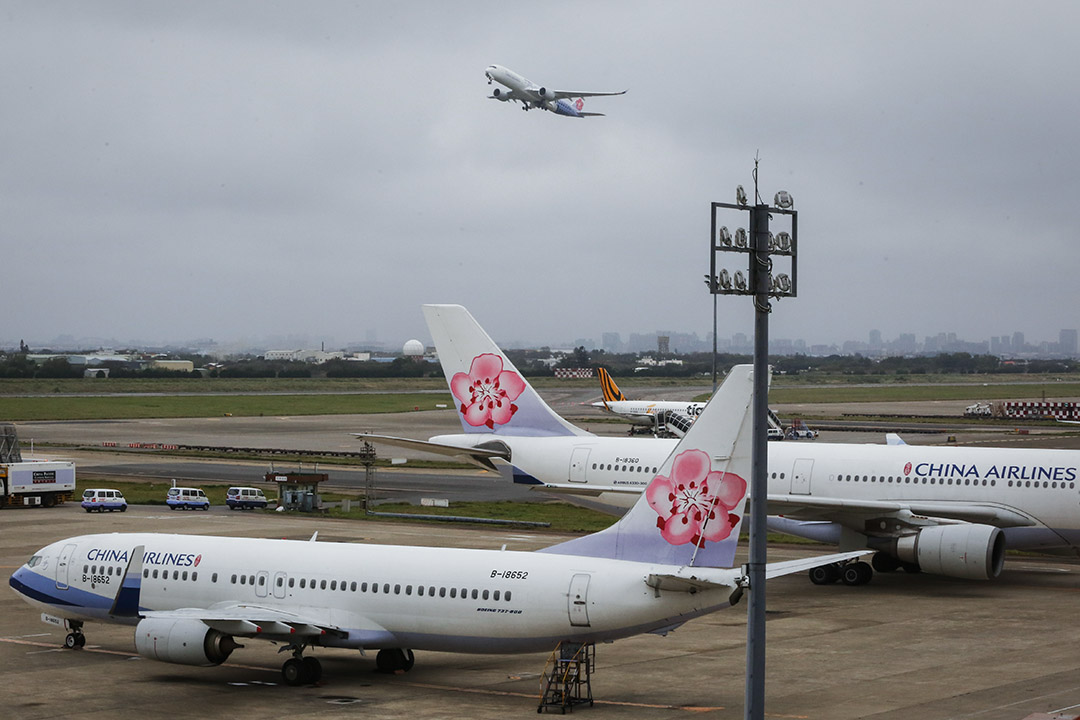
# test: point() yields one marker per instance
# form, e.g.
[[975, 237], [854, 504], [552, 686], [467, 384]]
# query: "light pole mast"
[[760, 247]]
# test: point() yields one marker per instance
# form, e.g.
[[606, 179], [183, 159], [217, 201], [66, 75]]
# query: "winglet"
[[126, 602]]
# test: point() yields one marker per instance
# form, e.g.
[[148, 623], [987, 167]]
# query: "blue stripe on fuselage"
[[38, 587]]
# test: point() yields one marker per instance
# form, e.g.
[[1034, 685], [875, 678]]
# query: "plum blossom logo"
[[694, 504], [487, 393]]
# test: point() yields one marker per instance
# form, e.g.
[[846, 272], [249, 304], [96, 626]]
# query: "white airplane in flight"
[[531, 95], [191, 597], [945, 510]]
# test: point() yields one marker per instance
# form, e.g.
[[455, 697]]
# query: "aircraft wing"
[[855, 513], [566, 95], [246, 620], [482, 456]]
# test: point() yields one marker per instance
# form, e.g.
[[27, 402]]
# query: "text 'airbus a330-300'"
[[531, 95]]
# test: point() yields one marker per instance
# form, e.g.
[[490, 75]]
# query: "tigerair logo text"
[[999, 472]]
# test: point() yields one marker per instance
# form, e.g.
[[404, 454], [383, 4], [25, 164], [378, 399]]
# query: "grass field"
[[23, 400]]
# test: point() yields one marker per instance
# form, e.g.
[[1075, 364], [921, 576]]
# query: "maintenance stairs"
[[567, 679]]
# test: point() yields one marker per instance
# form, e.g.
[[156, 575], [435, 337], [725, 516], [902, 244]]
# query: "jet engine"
[[973, 552], [186, 642], [547, 94], [500, 94]]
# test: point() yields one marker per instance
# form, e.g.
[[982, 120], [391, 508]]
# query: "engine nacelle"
[[186, 642], [500, 94], [547, 94], [973, 552]]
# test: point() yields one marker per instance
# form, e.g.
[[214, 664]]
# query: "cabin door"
[[279, 585], [579, 600], [800, 476], [63, 565], [578, 462]]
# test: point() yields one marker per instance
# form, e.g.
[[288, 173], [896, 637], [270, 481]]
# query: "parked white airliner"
[[945, 510], [189, 597], [531, 95]]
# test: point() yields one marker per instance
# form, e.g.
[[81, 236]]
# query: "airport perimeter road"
[[901, 647]]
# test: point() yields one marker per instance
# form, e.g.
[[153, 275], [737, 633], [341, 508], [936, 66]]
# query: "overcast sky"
[[242, 170]]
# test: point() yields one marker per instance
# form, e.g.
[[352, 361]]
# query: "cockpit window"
[[36, 560]]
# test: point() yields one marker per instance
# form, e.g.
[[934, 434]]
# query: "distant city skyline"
[[1011, 344]]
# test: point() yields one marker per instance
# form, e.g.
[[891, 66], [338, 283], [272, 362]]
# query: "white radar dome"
[[413, 348]]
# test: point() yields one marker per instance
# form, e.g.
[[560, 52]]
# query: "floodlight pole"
[[759, 483]]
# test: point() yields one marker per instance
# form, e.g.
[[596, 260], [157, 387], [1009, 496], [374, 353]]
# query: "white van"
[[184, 498], [102, 499], [239, 498]]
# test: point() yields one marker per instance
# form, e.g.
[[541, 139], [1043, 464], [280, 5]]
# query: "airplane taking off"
[[531, 95], [189, 597], [945, 510]]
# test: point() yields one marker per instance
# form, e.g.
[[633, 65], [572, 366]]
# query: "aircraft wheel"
[[312, 670], [885, 563], [390, 660], [80, 641], [71, 641], [856, 573], [292, 672], [824, 574]]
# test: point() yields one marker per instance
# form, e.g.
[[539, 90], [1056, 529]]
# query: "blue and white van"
[[102, 499], [240, 498], [185, 498]]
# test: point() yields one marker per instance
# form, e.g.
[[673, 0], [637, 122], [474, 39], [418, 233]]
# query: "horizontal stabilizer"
[[482, 456], [773, 570], [692, 583]]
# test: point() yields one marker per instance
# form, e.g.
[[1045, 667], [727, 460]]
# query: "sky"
[[314, 172]]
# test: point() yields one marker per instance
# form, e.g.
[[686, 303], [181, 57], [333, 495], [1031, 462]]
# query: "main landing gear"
[[75, 639], [858, 572], [392, 660], [300, 670]]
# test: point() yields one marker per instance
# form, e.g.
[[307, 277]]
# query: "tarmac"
[[903, 646]]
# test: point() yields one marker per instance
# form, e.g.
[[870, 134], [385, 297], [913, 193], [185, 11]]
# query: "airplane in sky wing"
[[666, 561], [946, 510], [532, 95]]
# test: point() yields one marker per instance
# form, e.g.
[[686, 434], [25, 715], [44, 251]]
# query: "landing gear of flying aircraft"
[[390, 660], [300, 670], [75, 639]]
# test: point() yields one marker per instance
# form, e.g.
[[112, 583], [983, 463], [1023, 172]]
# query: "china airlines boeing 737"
[[531, 95], [191, 597], [944, 510]]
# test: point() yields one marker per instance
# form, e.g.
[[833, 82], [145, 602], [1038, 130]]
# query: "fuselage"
[[643, 412], [1041, 485], [447, 599]]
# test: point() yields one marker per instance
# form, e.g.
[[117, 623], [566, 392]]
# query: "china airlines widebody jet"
[[531, 95], [945, 510], [190, 598]]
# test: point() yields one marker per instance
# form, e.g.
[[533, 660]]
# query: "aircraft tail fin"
[[691, 512], [490, 394], [611, 391]]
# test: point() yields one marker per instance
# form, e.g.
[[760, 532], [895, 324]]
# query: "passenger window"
[[386, 588], [431, 591], [408, 589], [442, 592], [353, 586], [453, 592], [184, 575], [397, 589], [194, 576], [243, 579], [485, 595], [495, 596], [213, 578], [333, 584], [146, 572], [175, 574], [303, 583], [474, 594], [155, 573], [420, 591], [280, 581], [507, 596], [322, 585]]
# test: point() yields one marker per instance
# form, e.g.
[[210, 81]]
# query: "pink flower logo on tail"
[[695, 503], [487, 393]]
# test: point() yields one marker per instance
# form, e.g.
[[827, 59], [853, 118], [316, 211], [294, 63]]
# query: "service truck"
[[36, 482]]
